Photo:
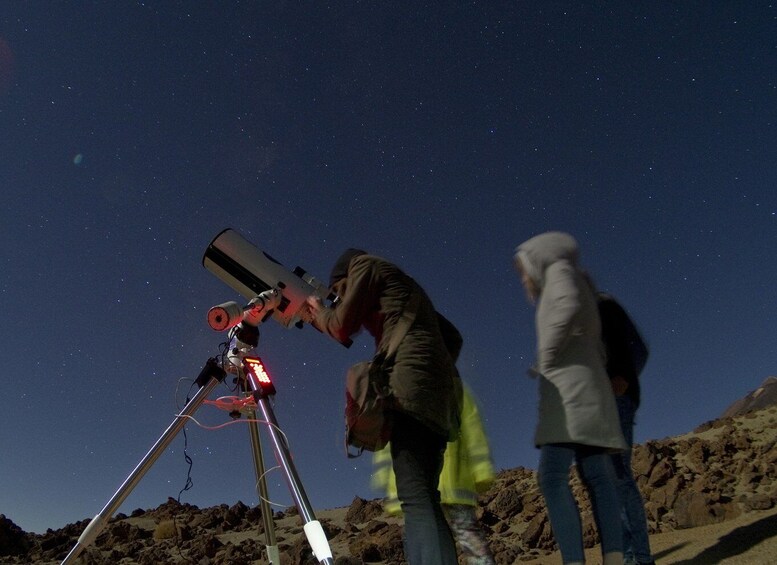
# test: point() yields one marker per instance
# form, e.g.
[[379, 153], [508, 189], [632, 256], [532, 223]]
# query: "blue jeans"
[[636, 544], [596, 471], [417, 456]]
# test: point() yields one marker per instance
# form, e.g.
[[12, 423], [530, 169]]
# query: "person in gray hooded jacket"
[[578, 419]]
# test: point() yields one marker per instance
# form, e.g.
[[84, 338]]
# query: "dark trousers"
[[636, 541], [417, 456]]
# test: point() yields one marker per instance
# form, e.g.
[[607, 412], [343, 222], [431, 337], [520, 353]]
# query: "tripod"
[[256, 381]]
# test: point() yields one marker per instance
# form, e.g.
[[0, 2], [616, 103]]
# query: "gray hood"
[[541, 251]]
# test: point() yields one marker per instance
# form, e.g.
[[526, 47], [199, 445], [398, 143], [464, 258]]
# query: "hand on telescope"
[[312, 307]]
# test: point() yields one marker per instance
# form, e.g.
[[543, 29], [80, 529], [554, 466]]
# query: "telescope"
[[271, 290], [253, 273]]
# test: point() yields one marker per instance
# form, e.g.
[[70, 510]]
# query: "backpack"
[[367, 403], [368, 397], [627, 352]]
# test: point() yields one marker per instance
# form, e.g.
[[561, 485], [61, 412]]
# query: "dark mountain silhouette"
[[765, 395]]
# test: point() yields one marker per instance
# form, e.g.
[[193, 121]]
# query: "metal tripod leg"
[[273, 555], [210, 376], [312, 527]]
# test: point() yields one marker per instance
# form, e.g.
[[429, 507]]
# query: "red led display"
[[255, 367]]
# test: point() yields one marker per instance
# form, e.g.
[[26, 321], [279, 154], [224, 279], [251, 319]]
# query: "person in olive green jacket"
[[425, 388], [467, 471]]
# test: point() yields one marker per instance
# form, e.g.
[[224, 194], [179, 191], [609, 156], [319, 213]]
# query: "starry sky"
[[437, 135]]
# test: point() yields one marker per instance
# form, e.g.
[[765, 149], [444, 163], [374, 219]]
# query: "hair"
[[340, 269]]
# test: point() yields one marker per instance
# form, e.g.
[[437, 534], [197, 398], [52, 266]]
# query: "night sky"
[[438, 136]]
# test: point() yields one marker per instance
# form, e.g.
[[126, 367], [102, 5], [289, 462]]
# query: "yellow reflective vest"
[[467, 468]]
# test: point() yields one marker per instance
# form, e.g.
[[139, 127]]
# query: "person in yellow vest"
[[467, 471]]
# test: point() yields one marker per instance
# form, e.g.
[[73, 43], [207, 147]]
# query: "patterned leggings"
[[468, 534]]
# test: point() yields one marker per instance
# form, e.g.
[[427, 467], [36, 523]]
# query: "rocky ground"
[[710, 495]]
